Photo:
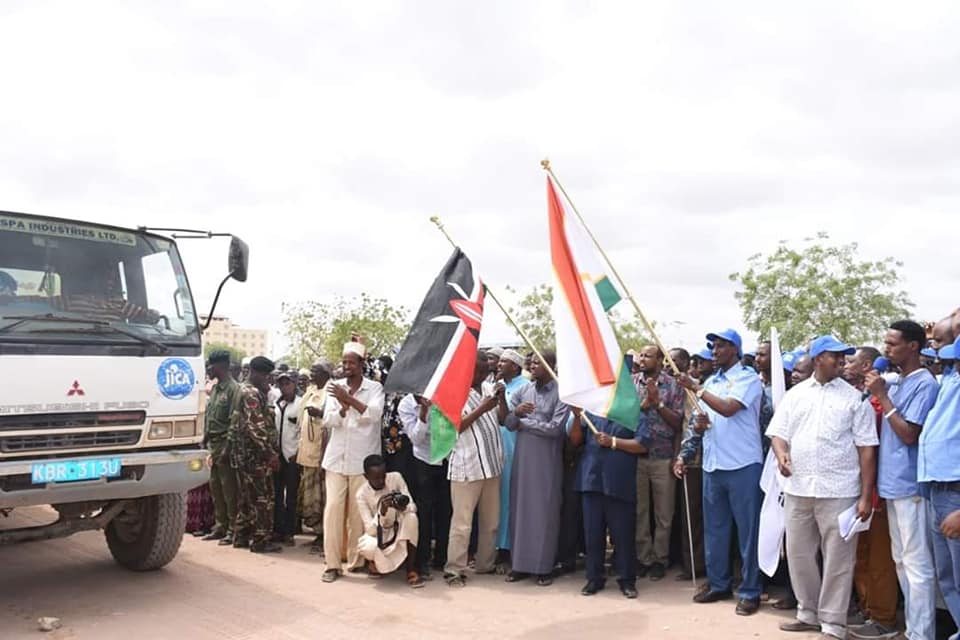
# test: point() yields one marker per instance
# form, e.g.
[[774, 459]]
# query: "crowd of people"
[[534, 488]]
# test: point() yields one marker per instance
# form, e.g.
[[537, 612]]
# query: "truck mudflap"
[[142, 473]]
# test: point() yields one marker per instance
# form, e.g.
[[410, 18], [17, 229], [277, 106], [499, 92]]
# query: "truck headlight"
[[185, 428], [160, 430]]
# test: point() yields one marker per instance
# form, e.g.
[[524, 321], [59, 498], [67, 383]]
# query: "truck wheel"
[[146, 535]]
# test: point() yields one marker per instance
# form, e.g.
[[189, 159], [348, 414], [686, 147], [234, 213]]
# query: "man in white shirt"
[[390, 525], [825, 440], [352, 412], [474, 469], [431, 487], [286, 481]]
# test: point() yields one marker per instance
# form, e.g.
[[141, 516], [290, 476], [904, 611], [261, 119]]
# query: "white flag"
[[770, 538]]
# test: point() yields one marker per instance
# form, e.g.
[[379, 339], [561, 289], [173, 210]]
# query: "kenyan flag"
[[438, 357]]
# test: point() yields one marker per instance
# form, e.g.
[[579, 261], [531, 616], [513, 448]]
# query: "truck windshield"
[[131, 281]]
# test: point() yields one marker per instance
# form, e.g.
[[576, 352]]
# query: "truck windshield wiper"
[[99, 327], [42, 317]]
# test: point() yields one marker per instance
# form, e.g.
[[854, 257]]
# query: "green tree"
[[820, 288], [236, 355], [318, 330], [533, 314]]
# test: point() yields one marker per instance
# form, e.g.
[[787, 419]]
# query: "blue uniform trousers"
[[732, 497], [600, 513]]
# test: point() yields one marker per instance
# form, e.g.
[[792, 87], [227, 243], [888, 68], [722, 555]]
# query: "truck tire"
[[146, 535]]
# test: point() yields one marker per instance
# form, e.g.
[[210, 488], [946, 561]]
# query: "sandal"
[[544, 580], [516, 576], [414, 580], [372, 572]]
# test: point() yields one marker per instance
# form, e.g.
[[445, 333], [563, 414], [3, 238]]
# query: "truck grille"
[[55, 442], [72, 420]]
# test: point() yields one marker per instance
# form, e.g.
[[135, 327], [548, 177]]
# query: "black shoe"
[[712, 596], [591, 588], [216, 534], [516, 576], [748, 607], [629, 591], [642, 569], [785, 604], [265, 547], [227, 540], [545, 580], [657, 571], [241, 544]]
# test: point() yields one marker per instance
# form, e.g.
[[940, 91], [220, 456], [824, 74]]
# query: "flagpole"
[[693, 558], [545, 163], [553, 374]]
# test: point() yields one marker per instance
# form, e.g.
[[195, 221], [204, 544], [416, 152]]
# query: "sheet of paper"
[[851, 524]]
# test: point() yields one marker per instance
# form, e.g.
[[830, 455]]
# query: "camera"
[[399, 500]]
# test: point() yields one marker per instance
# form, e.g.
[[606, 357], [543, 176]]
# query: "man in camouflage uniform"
[[255, 454], [223, 479]]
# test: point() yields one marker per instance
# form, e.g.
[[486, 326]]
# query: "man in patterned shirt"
[[662, 404], [474, 469]]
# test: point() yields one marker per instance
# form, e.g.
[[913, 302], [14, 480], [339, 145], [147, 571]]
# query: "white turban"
[[496, 351], [512, 356], [355, 348]]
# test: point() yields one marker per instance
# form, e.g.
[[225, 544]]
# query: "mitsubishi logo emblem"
[[75, 390]]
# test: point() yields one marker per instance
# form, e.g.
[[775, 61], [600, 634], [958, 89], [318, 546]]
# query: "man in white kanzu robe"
[[390, 533]]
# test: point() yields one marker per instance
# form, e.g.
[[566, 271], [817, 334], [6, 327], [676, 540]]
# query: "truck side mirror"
[[238, 259]]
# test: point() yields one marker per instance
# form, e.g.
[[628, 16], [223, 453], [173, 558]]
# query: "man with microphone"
[[905, 399]]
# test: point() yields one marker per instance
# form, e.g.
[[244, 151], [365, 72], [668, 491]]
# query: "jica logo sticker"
[[175, 378]]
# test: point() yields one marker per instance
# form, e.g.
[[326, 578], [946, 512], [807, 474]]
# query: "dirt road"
[[212, 592]]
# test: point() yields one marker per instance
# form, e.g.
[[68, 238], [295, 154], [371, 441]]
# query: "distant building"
[[252, 342]]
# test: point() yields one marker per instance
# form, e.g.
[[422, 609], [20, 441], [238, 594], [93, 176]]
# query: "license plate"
[[74, 470]]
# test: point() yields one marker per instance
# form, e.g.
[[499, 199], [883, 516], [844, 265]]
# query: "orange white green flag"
[[592, 373]]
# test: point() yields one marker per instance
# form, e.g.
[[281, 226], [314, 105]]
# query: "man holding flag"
[[595, 375], [729, 427], [437, 364], [474, 470]]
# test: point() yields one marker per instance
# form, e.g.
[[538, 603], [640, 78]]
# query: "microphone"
[[880, 365]]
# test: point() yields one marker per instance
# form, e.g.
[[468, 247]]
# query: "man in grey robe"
[[539, 419]]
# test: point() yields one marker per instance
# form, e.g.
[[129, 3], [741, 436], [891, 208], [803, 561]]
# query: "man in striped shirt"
[[474, 469]]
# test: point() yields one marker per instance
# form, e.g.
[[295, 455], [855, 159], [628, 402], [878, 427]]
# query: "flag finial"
[[545, 163]]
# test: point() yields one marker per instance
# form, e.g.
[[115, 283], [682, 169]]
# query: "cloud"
[[326, 135]]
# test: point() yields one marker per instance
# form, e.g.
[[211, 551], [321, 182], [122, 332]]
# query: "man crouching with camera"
[[390, 526]]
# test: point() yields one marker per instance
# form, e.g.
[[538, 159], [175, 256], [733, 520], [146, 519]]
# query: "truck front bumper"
[[144, 473]]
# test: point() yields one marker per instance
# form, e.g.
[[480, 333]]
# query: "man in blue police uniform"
[[606, 481], [728, 425]]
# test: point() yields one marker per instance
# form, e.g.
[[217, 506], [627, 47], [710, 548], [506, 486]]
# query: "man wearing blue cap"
[[929, 361], [729, 427], [906, 399], [824, 438], [939, 476]]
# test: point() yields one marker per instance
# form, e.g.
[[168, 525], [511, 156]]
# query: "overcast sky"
[[690, 135]]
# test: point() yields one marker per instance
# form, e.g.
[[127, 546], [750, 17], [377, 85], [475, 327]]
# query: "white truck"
[[102, 383]]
